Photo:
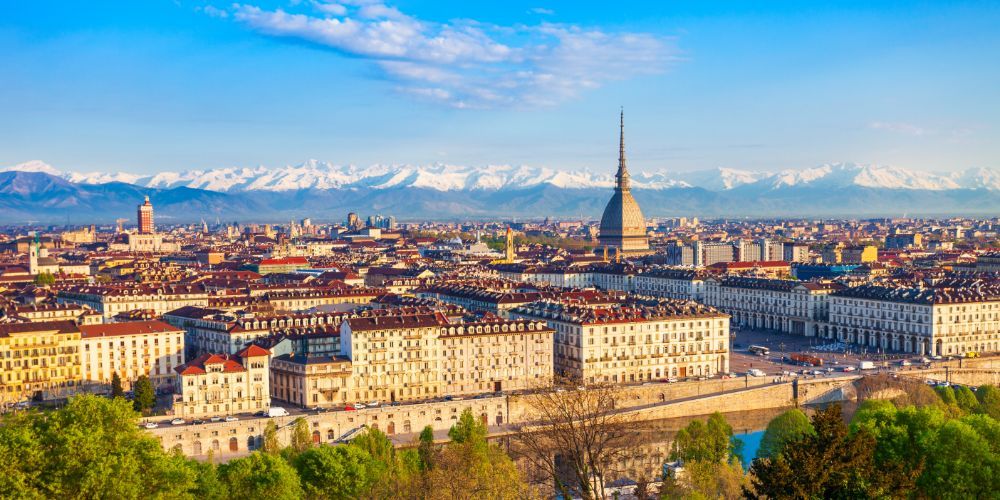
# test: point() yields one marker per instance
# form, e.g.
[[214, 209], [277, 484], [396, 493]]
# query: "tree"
[[45, 278], [208, 485], [961, 466], [708, 442], [582, 429], [467, 429], [261, 475], [117, 391], [337, 471], [831, 463], [301, 437], [474, 469], [966, 399], [377, 444], [989, 400], [91, 448], [426, 448], [271, 444], [144, 396], [787, 427]]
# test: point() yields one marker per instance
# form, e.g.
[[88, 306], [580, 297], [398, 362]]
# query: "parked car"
[[359, 406], [373, 404], [178, 421], [151, 425], [905, 362], [230, 418], [197, 421], [215, 419], [671, 380], [849, 368]]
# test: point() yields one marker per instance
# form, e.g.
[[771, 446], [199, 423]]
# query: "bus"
[[759, 350]]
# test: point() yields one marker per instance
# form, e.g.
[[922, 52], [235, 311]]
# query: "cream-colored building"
[[110, 300], [224, 384], [421, 356], [797, 307], [310, 381], [495, 356], [39, 360], [132, 349], [955, 318], [393, 358], [636, 341]]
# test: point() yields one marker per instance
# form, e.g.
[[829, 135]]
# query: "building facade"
[[639, 341], [40, 360], [131, 349], [224, 384]]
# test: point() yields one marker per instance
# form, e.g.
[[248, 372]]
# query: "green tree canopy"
[[426, 448], [144, 396], [91, 448], [336, 472], [831, 463], [117, 391], [711, 441], [989, 400], [261, 475], [787, 427], [271, 444], [467, 429], [44, 279], [301, 437], [966, 399]]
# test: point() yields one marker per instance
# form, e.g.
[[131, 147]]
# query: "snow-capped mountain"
[[320, 175]]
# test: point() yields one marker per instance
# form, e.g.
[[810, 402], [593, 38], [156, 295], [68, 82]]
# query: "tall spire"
[[622, 176]]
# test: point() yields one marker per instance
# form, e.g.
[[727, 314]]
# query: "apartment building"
[[785, 305], [223, 384], [954, 318], [419, 356], [636, 341], [132, 349], [40, 360], [110, 300]]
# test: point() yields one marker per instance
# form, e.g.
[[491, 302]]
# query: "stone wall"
[[227, 440]]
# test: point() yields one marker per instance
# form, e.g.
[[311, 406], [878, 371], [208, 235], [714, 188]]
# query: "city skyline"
[[172, 87]]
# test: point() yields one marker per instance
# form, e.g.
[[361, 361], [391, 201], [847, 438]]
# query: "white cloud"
[[542, 11], [332, 9], [467, 63], [214, 12]]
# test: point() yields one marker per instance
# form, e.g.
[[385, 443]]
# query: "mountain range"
[[38, 191]]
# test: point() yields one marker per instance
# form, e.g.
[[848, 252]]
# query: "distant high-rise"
[[623, 226], [146, 217]]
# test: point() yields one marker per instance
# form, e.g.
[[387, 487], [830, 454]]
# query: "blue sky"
[[159, 85]]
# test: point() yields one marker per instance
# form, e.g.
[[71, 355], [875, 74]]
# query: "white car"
[[151, 425], [230, 418], [359, 406], [905, 362], [849, 368], [178, 421], [373, 404]]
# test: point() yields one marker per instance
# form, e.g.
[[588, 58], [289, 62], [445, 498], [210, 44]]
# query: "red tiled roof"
[[230, 364], [126, 328], [252, 351], [42, 326]]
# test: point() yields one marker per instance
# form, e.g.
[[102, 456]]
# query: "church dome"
[[623, 225], [623, 217]]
